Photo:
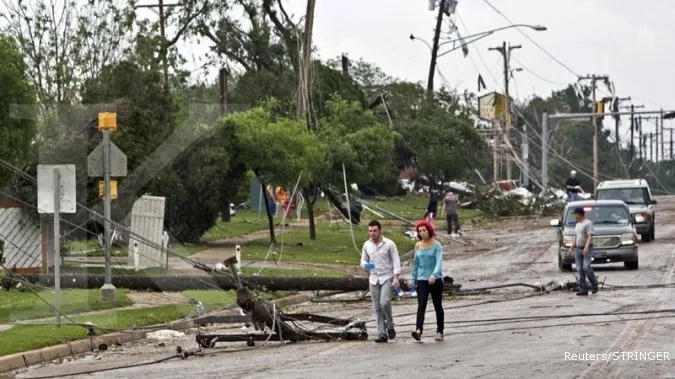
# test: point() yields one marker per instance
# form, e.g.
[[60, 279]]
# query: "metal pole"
[[595, 141], [526, 157], [544, 151], [57, 246], [496, 138], [640, 135], [663, 138], [108, 290], [632, 128], [671, 145], [651, 147]]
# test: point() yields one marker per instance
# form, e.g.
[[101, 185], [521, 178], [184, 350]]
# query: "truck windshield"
[[627, 195], [601, 214]]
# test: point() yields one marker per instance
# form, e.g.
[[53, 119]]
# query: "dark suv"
[[614, 238]]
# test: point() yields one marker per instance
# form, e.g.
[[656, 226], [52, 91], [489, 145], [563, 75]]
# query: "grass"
[[413, 207], [247, 221], [23, 305], [244, 222], [151, 271], [292, 273], [28, 337], [333, 245]]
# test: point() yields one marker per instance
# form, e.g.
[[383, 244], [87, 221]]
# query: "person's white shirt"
[[386, 259]]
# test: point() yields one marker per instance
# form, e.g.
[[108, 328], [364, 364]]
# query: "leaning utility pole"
[[434, 48], [505, 50], [594, 79]]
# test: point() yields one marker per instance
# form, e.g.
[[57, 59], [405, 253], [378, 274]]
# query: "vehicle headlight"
[[628, 239], [568, 240], [640, 217]]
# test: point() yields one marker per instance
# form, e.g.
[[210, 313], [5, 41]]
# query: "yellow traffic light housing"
[[107, 121], [113, 189]]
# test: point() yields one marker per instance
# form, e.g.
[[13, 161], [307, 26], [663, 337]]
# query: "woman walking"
[[427, 275]]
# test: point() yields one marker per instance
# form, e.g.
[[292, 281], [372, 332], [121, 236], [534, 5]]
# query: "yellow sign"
[[113, 189], [491, 106], [107, 121]]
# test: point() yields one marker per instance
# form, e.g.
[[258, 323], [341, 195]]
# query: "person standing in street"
[[432, 208], [379, 256], [426, 273], [450, 208], [573, 187], [583, 250]]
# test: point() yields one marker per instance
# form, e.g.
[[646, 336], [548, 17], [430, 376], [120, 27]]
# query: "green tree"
[[277, 150], [16, 133]]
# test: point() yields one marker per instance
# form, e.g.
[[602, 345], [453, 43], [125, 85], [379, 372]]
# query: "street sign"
[[46, 191], [118, 162]]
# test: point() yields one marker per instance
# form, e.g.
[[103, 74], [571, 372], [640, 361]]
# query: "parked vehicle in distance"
[[614, 239], [637, 194]]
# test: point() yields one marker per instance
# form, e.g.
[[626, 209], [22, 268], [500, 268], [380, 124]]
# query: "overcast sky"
[[625, 39]]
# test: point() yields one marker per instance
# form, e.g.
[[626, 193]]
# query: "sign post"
[[57, 194], [107, 161]]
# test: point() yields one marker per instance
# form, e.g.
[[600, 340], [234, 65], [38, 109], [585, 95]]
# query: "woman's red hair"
[[426, 224]]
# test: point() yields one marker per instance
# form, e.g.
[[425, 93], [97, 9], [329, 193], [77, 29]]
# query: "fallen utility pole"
[[434, 48], [282, 327], [179, 283]]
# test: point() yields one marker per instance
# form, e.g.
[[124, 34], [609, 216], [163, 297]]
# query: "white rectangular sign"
[[46, 192]]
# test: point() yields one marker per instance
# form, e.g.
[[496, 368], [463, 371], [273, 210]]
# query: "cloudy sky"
[[624, 39]]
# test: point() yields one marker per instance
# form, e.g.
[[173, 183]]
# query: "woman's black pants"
[[436, 291]]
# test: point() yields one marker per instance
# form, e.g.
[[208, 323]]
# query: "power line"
[[532, 40]]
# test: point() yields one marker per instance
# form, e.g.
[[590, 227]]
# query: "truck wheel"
[[646, 237], [653, 232]]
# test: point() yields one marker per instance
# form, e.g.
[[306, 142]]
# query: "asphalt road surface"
[[507, 333]]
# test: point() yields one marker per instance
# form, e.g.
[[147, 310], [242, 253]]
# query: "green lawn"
[[333, 245], [24, 305], [244, 222], [413, 207], [28, 337]]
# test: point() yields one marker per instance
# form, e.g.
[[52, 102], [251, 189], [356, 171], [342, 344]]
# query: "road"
[[506, 333]]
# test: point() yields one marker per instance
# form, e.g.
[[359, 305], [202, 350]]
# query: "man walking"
[[583, 250], [573, 187], [450, 206], [380, 257]]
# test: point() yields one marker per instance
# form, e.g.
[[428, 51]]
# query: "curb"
[[50, 353]]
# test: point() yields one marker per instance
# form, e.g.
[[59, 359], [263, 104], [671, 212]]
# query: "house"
[[25, 244]]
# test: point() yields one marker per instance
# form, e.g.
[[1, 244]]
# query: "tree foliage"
[[16, 134]]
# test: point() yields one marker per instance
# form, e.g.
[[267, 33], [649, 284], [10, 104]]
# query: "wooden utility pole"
[[163, 51], [304, 79], [434, 48], [505, 49], [223, 93], [594, 79]]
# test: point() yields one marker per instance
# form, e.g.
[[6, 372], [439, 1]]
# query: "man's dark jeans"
[[453, 219]]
